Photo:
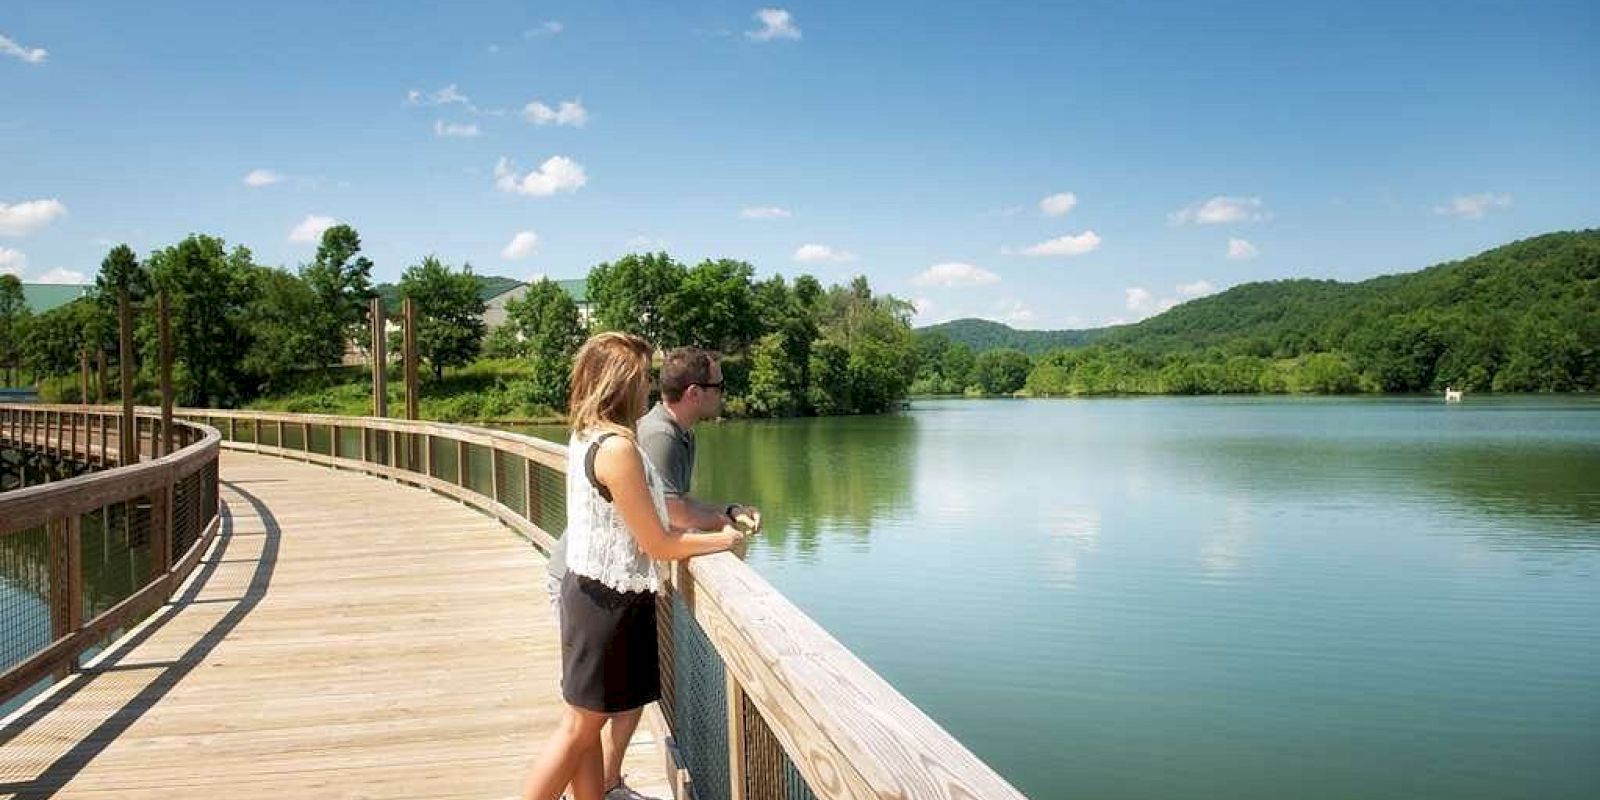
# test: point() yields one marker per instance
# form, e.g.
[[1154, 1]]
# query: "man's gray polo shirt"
[[670, 449]]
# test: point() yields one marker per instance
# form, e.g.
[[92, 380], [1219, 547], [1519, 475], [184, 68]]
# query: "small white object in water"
[[1452, 395]]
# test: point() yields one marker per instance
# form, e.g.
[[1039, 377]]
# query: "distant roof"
[[42, 297], [576, 288]]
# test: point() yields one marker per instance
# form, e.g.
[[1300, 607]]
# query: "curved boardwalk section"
[[345, 637]]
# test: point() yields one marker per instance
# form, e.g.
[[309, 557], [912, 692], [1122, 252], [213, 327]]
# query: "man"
[[691, 392]]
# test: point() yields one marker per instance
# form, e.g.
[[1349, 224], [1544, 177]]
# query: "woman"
[[616, 532]]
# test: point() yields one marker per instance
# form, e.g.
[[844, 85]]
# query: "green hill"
[[1521, 317], [982, 334]]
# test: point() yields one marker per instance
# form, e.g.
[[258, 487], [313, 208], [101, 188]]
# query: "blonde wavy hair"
[[610, 383]]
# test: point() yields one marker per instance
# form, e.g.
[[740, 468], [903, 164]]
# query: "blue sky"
[[1045, 164]]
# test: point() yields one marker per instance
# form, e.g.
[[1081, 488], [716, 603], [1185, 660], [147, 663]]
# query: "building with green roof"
[[42, 297]]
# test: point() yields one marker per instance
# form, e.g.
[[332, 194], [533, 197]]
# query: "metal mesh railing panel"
[[548, 500], [700, 705], [24, 595], [186, 513], [321, 439], [350, 443], [480, 466], [116, 554], [378, 447], [269, 433], [512, 490], [769, 772], [244, 430], [294, 437], [442, 461]]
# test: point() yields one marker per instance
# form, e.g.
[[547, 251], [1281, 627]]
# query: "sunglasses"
[[718, 385]]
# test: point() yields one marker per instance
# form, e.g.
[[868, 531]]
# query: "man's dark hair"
[[682, 367]]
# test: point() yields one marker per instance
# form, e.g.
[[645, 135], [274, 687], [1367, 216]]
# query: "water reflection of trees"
[[810, 475], [1542, 486]]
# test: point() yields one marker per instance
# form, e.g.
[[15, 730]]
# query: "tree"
[[546, 321], [636, 294], [777, 382], [450, 325], [14, 321], [1001, 371], [119, 271], [341, 281], [714, 307], [276, 314], [209, 288]]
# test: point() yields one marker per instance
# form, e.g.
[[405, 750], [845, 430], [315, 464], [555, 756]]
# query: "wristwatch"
[[728, 512]]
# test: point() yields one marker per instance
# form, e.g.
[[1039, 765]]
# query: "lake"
[[1209, 597]]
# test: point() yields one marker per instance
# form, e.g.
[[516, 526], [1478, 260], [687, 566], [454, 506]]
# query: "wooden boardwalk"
[[346, 637]]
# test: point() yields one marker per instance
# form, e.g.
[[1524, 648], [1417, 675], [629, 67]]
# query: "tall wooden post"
[[164, 331], [128, 444], [100, 381], [410, 357], [83, 377], [380, 362]]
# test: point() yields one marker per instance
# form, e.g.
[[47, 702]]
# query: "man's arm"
[[688, 514]]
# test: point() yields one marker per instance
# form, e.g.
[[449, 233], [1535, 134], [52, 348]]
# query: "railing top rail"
[[23, 509]]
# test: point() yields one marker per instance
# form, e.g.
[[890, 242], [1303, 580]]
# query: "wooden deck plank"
[[346, 637]]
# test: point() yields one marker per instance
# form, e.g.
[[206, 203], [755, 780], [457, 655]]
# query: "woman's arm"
[[619, 466]]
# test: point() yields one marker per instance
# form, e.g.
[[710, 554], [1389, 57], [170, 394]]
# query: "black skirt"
[[609, 661]]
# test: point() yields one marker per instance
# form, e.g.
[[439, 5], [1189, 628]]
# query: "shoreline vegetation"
[[1522, 318]]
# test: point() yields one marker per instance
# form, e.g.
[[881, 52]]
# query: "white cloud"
[[556, 174], [1473, 206], [1219, 210], [818, 253], [548, 28], [1242, 250], [12, 262], [1062, 246], [647, 243], [310, 229], [458, 130], [258, 178], [1014, 313], [1058, 205], [776, 23], [524, 244], [21, 219], [62, 275], [568, 112], [954, 274], [770, 212], [449, 95], [1144, 303], [31, 55]]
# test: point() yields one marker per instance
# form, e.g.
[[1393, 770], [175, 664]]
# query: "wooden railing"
[[161, 511], [762, 702]]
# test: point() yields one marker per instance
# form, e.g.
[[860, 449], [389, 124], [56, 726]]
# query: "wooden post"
[[60, 568], [410, 358], [532, 505], [128, 447], [100, 380], [463, 466], [380, 362], [164, 329], [83, 377]]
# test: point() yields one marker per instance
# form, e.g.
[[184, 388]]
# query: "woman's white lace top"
[[599, 545]]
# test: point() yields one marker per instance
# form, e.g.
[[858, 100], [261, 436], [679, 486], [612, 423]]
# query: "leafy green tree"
[[341, 280], [14, 321], [450, 326], [121, 270], [278, 306], [209, 288], [828, 392], [777, 381], [545, 320], [714, 307], [1001, 371], [637, 294]]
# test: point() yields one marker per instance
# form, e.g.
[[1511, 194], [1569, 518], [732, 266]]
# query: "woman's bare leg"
[[614, 741], [574, 737]]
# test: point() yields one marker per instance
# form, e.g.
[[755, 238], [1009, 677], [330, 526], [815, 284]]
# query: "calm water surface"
[[1209, 598]]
